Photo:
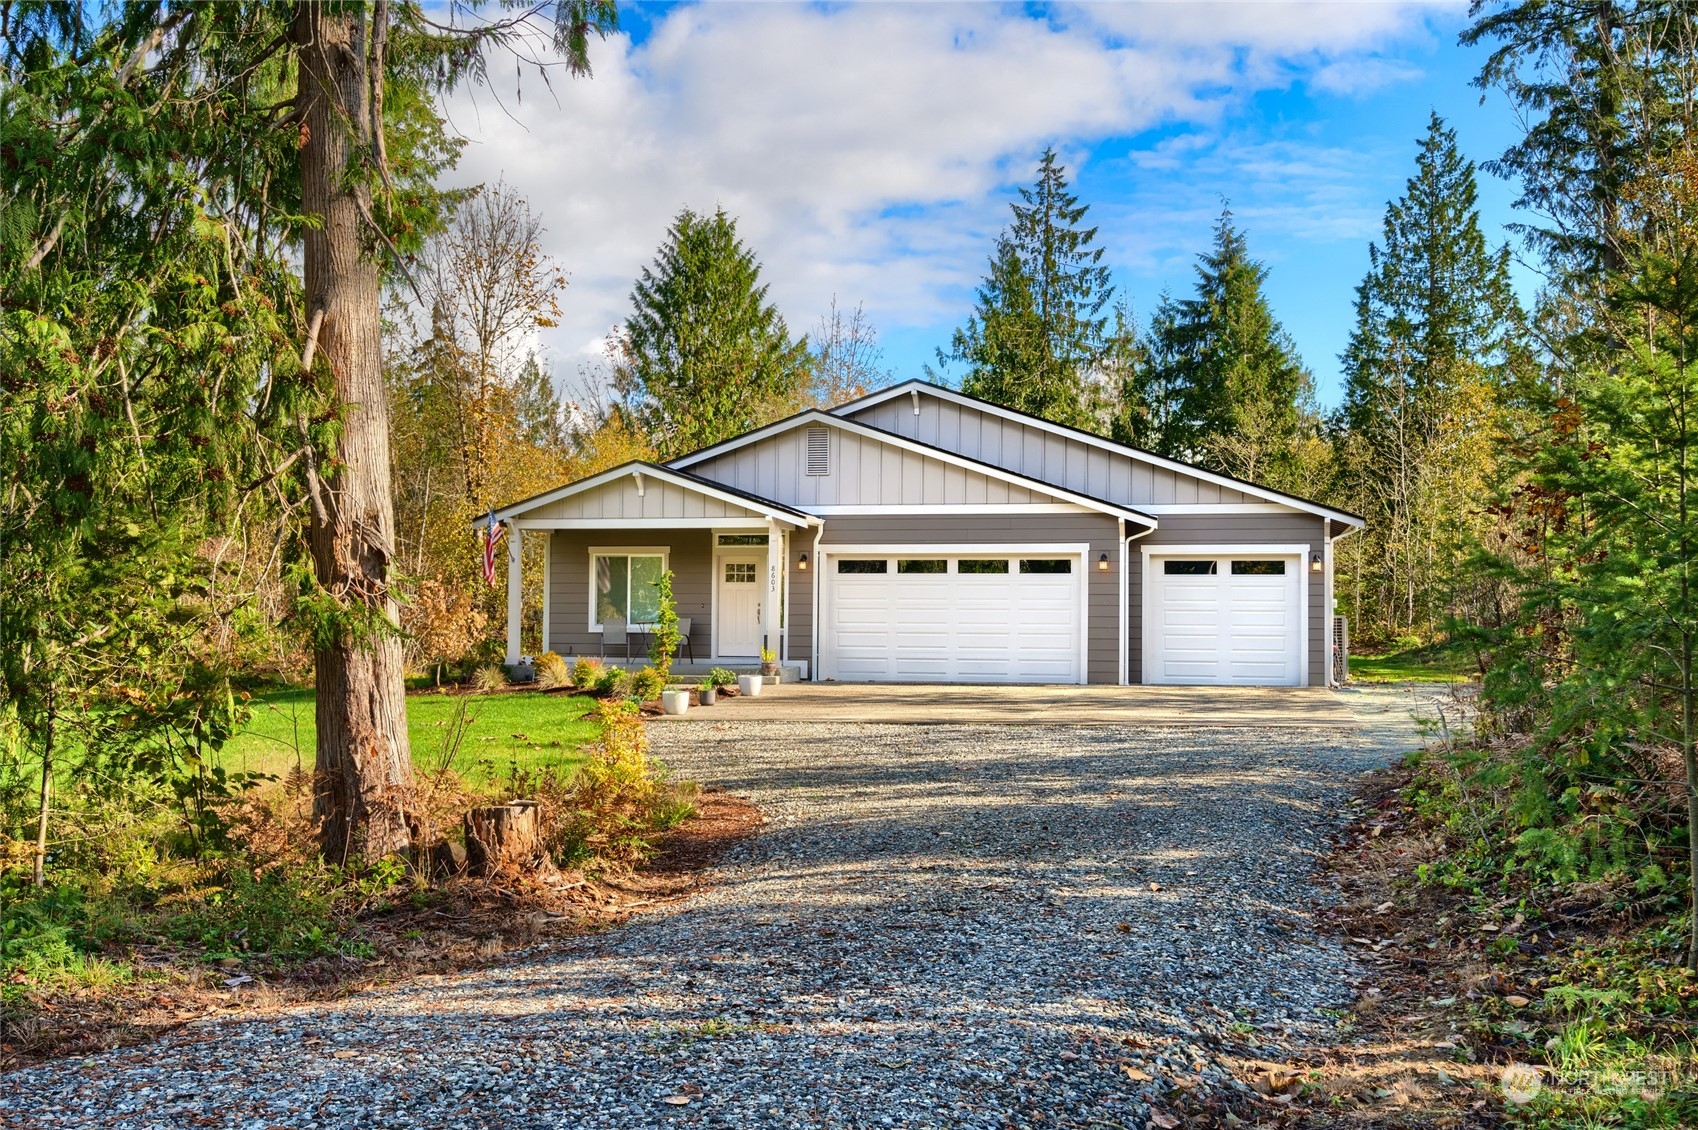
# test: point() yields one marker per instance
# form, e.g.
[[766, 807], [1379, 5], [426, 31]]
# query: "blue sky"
[[869, 150]]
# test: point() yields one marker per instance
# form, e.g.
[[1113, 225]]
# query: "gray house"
[[921, 535]]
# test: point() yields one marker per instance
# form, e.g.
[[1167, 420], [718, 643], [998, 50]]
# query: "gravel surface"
[[939, 926]]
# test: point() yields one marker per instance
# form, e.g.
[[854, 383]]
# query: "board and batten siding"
[[1102, 621], [1233, 529], [1041, 454], [619, 500], [861, 471]]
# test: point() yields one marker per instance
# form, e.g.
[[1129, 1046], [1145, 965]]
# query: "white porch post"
[[769, 595], [515, 590]]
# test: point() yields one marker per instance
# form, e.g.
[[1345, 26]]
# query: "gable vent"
[[819, 451]]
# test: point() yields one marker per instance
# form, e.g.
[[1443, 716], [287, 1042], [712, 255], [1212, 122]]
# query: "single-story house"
[[922, 535]]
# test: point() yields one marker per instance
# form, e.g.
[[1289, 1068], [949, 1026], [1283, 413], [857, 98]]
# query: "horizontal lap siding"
[[1235, 529], [799, 600], [1102, 619], [690, 558]]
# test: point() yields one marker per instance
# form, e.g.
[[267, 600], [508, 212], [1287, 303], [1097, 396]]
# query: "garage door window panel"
[[1189, 568], [1046, 565], [850, 565], [922, 565], [982, 566], [1258, 568]]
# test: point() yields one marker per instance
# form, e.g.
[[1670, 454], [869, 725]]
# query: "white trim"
[[664, 552], [1217, 508], [772, 620], [638, 470], [1121, 547], [814, 632], [645, 523], [1301, 552], [955, 549], [916, 386], [1079, 550], [1330, 609], [1165, 550], [815, 416], [722, 554], [953, 509], [547, 584]]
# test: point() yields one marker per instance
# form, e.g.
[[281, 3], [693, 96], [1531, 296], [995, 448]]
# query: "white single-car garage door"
[[1234, 618], [916, 617]]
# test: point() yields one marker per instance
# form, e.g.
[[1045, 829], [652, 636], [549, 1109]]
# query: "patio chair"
[[684, 638], [613, 634]]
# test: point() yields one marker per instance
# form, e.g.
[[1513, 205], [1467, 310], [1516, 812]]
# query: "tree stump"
[[505, 838]]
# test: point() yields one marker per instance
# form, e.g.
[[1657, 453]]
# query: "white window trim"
[[664, 552], [1147, 597], [1081, 551]]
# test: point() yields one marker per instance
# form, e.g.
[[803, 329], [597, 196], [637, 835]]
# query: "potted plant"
[[749, 685], [674, 701], [769, 663], [707, 691]]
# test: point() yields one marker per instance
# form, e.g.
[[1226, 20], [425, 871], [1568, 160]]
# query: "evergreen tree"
[[1038, 333], [1230, 370], [1605, 88], [703, 356], [1434, 347]]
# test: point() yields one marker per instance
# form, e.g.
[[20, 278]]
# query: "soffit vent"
[[819, 451]]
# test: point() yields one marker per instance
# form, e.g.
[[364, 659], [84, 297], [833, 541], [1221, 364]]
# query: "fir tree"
[[704, 356], [1230, 370], [1434, 347], [1038, 333]]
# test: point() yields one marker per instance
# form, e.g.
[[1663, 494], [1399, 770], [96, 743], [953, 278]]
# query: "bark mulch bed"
[[461, 925]]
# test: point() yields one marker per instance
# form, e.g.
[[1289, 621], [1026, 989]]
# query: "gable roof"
[[1091, 439], [665, 474], [813, 416]]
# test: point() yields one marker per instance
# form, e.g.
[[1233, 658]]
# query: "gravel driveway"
[[940, 926]]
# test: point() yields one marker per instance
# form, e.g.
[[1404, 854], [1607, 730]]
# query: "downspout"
[[1125, 596], [814, 644], [1123, 543], [1331, 598]]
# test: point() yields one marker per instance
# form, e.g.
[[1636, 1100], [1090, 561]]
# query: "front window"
[[626, 586]]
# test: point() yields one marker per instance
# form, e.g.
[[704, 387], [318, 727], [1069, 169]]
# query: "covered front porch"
[[739, 568]]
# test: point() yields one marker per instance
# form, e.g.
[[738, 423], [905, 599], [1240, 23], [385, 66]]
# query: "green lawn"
[[1434, 663], [532, 729]]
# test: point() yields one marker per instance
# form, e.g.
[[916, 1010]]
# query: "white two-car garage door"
[[935, 618], [1224, 618]]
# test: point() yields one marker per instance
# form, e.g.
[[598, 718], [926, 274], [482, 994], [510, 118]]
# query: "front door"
[[739, 626]]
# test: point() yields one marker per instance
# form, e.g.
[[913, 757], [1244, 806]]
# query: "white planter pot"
[[674, 702], [749, 685]]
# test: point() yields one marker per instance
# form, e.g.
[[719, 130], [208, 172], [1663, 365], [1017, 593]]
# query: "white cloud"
[[866, 149]]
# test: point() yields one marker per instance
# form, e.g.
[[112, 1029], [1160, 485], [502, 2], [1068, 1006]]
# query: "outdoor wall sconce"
[[802, 563], [1315, 564], [1102, 563]]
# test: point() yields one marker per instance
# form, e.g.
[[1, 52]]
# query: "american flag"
[[491, 538]]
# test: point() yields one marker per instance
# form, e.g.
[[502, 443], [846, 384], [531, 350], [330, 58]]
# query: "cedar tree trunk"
[[363, 781]]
